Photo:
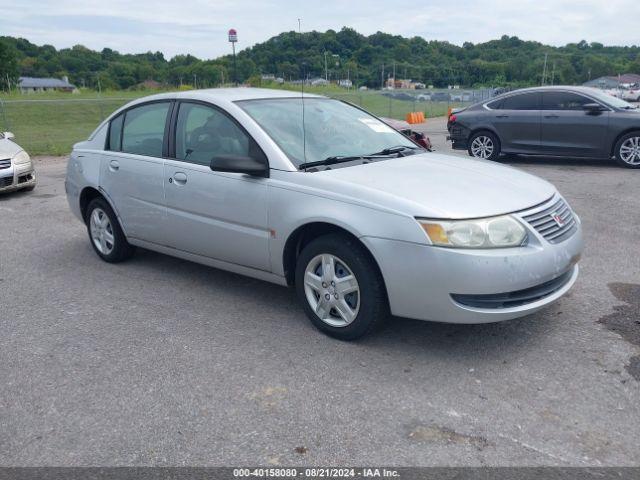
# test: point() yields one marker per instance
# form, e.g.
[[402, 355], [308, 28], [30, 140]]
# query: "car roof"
[[551, 88], [227, 95]]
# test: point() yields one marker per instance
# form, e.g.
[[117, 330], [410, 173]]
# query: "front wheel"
[[340, 287], [484, 145], [627, 150]]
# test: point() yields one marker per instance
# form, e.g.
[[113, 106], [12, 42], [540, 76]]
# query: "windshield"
[[332, 128], [610, 100]]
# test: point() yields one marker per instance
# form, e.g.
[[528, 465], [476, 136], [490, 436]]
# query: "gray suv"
[[555, 121]]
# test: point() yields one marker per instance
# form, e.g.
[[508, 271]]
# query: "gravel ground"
[[159, 361]]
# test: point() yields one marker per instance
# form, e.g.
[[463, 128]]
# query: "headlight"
[[22, 157], [493, 232]]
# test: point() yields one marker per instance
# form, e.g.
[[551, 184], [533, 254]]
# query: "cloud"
[[199, 27]]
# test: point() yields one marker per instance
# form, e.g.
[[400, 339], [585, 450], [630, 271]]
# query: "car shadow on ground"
[[481, 341]]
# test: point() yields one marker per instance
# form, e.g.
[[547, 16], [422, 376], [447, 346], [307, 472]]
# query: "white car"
[[632, 94], [16, 167]]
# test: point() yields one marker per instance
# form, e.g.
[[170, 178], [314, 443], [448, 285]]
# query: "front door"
[[218, 215], [567, 129]]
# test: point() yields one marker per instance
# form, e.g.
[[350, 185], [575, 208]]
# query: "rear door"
[[516, 119], [214, 214], [567, 129], [131, 170]]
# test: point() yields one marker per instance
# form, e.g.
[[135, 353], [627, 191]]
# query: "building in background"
[[33, 85], [613, 81]]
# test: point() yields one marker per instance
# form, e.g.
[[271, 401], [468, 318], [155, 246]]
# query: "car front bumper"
[[476, 286], [17, 176]]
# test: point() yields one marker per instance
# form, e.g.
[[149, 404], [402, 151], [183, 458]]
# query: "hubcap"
[[101, 231], [630, 151], [482, 147], [332, 290]]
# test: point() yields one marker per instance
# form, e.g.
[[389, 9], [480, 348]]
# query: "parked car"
[[16, 167], [361, 220], [632, 94], [405, 129], [555, 121]]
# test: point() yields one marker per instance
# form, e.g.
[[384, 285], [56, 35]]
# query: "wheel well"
[[88, 194], [305, 234], [615, 141]]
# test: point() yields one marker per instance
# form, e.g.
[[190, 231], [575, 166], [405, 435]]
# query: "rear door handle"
[[114, 165], [502, 116], [552, 116], [179, 178]]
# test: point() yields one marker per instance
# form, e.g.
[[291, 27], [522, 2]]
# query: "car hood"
[[443, 186], [8, 149]]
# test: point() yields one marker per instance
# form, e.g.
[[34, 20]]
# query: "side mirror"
[[593, 107], [240, 164], [7, 135]]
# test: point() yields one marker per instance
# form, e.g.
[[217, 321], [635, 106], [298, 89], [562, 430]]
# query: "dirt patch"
[[625, 320], [438, 434]]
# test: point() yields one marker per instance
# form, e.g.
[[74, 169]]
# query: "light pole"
[[326, 69], [233, 38]]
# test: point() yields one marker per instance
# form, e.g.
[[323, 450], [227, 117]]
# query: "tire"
[[343, 314], [627, 150], [105, 235], [484, 143]]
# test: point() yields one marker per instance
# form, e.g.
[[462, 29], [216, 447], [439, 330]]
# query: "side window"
[[563, 101], [523, 101], [143, 131], [496, 104], [203, 132], [115, 133]]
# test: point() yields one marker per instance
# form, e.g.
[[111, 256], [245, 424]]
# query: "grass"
[[49, 123]]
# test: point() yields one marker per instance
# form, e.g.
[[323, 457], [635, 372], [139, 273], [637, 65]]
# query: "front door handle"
[[502, 116], [180, 178], [551, 116], [114, 166]]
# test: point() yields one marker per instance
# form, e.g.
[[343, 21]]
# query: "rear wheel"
[[105, 234], [340, 287], [484, 145], [627, 150]]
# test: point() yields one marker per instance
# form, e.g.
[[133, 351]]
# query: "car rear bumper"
[[458, 136], [17, 177], [475, 286]]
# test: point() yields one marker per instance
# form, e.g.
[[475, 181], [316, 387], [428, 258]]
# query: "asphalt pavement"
[[158, 361]]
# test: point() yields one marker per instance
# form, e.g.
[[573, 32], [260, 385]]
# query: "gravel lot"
[[158, 361]]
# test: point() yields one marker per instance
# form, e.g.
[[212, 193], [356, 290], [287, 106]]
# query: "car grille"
[[6, 181], [5, 163], [555, 223]]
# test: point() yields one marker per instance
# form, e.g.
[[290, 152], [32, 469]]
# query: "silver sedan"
[[317, 194], [16, 167]]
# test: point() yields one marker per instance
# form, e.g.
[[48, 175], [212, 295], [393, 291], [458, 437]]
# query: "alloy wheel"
[[482, 147], [332, 290], [630, 151], [101, 231]]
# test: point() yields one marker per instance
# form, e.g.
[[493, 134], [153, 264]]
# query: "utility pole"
[[382, 78], [299, 27], [553, 72], [326, 68], [544, 69]]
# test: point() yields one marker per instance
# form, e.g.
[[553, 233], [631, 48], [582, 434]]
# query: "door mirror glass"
[[240, 164]]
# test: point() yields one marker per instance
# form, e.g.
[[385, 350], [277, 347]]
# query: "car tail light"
[[452, 118]]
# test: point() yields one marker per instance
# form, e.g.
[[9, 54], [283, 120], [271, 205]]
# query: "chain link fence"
[[52, 126]]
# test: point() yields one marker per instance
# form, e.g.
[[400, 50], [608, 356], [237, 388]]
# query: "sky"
[[199, 27]]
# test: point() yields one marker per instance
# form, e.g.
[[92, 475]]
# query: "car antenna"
[[304, 130]]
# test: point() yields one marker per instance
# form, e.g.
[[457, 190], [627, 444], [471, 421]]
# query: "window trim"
[[516, 94], [123, 114], [173, 129]]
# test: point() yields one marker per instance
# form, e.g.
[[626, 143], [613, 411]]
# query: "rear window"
[[523, 101], [143, 132]]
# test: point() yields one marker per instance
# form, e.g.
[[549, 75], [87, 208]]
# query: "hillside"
[[507, 61]]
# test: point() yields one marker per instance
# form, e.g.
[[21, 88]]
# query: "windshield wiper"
[[349, 158]]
